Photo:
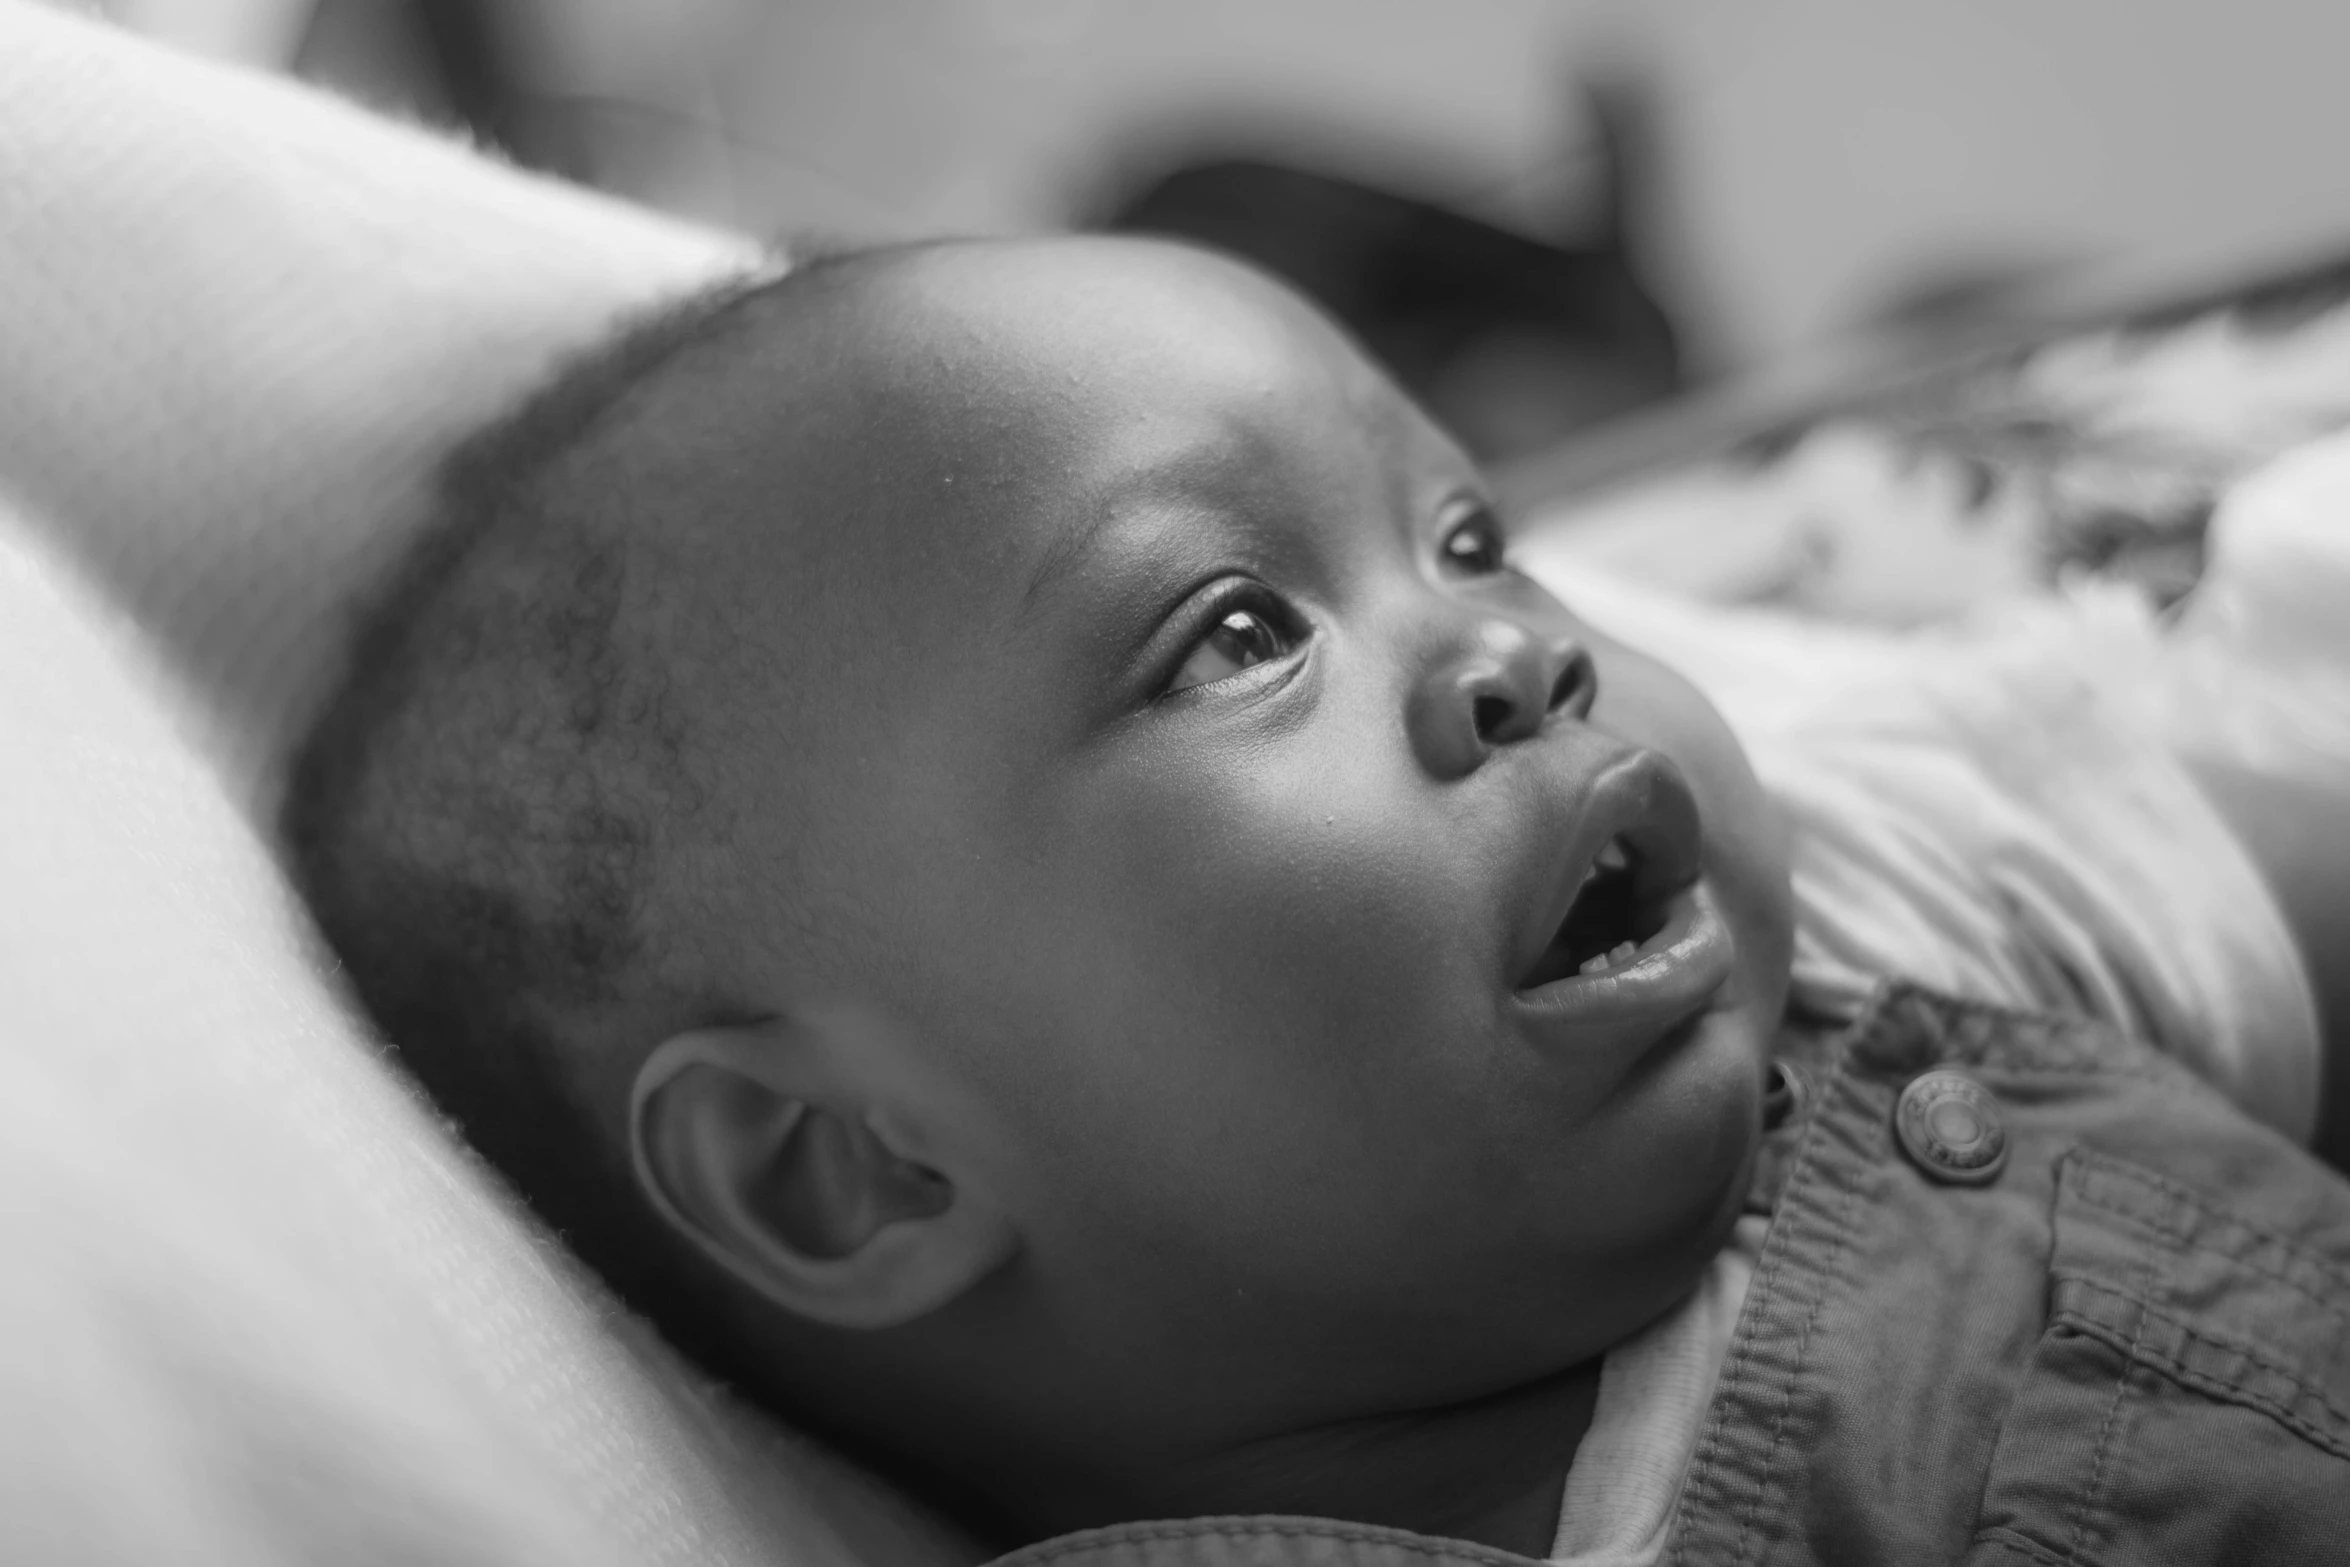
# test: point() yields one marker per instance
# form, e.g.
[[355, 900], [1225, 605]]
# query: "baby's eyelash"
[[1472, 539], [1245, 628]]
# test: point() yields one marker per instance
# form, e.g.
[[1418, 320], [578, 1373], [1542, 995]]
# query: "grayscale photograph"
[[1174, 783]]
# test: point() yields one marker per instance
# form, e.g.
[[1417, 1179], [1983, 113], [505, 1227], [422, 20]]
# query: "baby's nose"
[[1498, 688]]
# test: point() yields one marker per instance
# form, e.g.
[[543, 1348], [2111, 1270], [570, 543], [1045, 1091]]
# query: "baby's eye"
[[1241, 639], [1472, 540]]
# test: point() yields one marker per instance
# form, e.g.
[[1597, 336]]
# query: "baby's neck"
[[1491, 1471]]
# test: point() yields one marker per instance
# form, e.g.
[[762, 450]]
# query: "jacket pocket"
[[2189, 1398]]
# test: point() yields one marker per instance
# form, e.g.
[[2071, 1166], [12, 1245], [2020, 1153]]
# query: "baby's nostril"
[[1576, 684], [1491, 713]]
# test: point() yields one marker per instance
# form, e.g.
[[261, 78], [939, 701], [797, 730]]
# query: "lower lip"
[[1675, 974]]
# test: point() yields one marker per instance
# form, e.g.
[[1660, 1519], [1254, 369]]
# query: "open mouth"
[[1631, 944], [1622, 903]]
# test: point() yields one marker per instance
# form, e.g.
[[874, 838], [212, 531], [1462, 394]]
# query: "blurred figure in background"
[[1480, 249], [1513, 342], [1823, 162]]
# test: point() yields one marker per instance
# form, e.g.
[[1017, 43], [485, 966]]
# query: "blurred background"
[[1541, 213]]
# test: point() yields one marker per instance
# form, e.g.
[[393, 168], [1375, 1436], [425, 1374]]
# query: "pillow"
[[2262, 654], [240, 319]]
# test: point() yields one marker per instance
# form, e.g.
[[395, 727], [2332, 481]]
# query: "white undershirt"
[[1653, 1392]]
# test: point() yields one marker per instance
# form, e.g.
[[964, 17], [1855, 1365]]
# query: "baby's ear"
[[749, 1143]]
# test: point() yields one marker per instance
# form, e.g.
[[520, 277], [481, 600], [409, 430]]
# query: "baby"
[[990, 832]]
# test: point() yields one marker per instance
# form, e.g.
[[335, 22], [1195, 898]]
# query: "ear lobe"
[[746, 1146]]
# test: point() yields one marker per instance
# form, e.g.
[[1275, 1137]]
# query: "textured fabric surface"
[[239, 320], [1914, 484], [1971, 1330], [2009, 825], [2263, 653], [1255, 1542]]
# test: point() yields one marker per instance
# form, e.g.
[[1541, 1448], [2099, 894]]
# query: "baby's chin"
[[1695, 1115]]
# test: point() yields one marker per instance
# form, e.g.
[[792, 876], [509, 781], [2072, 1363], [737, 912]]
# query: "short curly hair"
[[475, 817]]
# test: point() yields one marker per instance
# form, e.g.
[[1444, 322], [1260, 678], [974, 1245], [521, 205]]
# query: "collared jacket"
[[2032, 1294]]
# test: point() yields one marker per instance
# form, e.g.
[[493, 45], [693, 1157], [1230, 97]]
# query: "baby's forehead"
[[968, 405], [1118, 314], [848, 506]]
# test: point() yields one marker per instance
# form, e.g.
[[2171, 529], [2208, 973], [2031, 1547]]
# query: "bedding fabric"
[[240, 319], [1966, 475]]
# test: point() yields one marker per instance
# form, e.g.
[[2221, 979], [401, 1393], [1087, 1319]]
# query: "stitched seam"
[[1975, 1013], [2224, 1341], [1244, 1528], [2150, 1227], [1974, 1008], [1964, 1020], [2001, 1534], [1736, 1374], [1961, 1015], [2178, 1370], [1842, 1241], [1740, 1368], [2135, 1074], [2188, 1198], [2121, 1386], [1734, 1377]]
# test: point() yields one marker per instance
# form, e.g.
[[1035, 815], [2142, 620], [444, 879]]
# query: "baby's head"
[[988, 830]]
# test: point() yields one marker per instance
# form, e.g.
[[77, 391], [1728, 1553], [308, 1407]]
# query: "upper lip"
[[1642, 799]]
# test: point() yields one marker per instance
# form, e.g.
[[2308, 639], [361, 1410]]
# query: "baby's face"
[[1188, 775]]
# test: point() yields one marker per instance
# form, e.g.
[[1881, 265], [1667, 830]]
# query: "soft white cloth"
[[239, 320], [1653, 1392], [2009, 824], [2260, 661]]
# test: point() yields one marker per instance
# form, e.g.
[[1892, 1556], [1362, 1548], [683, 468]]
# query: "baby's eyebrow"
[[1122, 507], [1061, 557], [1150, 488]]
